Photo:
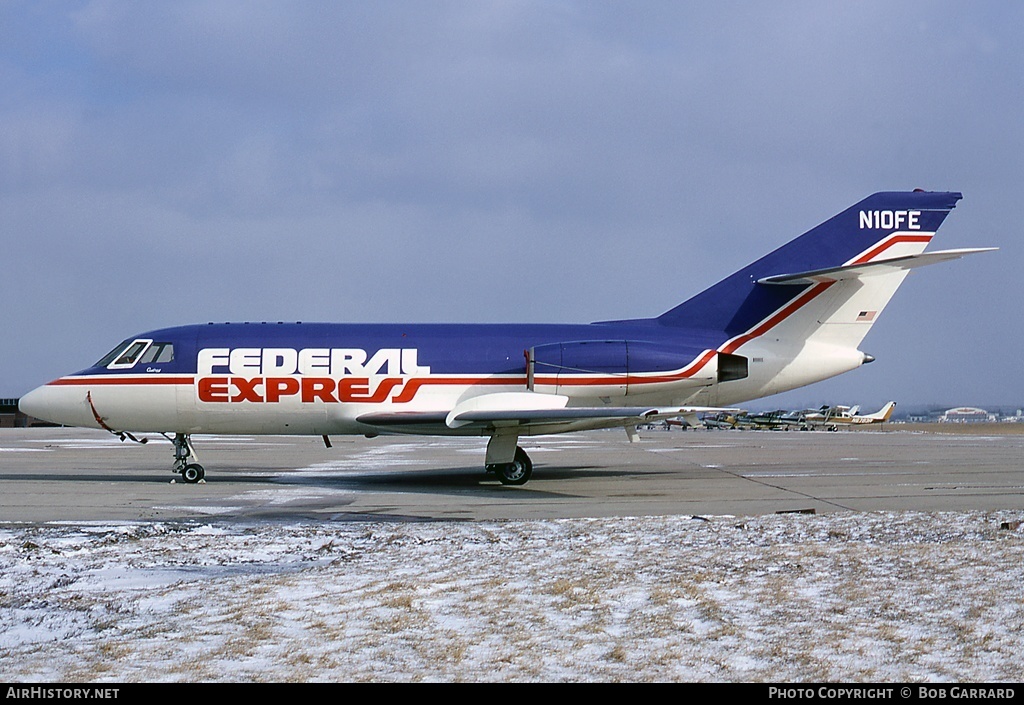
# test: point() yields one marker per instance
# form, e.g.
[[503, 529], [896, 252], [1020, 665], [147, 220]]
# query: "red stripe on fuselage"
[[104, 379], [787, 311], [413, 385], [633, 379]]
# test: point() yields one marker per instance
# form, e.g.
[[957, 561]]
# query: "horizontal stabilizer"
[[885, 266]]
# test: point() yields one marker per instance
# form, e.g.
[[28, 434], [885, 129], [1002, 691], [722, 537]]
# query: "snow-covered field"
[[879, 597]]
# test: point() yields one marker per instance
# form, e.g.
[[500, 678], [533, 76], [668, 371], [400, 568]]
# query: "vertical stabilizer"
[[882, 415], [883, 226]]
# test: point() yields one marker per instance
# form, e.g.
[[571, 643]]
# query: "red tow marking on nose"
[[96, 414]]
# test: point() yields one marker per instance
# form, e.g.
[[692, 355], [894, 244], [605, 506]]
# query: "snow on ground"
[[879, 597]]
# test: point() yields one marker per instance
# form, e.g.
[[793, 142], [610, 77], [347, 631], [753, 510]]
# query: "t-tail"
[[803, 310]]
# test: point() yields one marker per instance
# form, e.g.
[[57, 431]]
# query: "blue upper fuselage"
[[455, 349]]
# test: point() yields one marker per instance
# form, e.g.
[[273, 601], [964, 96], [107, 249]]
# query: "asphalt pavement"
[[60, 474]]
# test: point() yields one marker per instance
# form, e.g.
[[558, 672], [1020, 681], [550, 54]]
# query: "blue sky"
[[171, 163]]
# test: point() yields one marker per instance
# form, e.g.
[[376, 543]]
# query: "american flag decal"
[[866, 315]]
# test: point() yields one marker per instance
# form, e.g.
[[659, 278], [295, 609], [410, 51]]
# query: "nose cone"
[[33, 404], [57, 404]]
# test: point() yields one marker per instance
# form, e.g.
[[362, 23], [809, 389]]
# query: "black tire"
[[193, 473], [518, 472]]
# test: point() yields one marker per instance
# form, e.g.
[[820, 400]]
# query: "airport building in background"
[[10, 415], [966, 414]]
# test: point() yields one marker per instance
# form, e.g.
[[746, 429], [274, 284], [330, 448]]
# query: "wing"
[[532, 413]]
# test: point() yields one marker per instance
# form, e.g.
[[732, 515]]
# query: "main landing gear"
[[191, 472], [515, 473]]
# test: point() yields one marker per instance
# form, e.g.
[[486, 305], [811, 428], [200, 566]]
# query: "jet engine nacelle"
[[615, 368]]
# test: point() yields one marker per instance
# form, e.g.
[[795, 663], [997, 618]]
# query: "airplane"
[[833, 416], [681, 423], [725, 419], [793, 317], [780, 418]]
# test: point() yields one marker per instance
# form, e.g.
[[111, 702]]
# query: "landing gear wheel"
[[193, 473], [185, 459], [518, 472]]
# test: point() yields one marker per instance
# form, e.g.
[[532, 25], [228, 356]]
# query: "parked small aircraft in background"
[[793, 317], [723, 419], [832, 417], [780, 418]]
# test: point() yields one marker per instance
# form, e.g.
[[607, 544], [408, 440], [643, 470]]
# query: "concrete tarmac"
[[76, 475]]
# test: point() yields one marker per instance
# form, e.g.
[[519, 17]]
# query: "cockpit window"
[[112, 355], [131, 355], [158, 353], [138, 350]]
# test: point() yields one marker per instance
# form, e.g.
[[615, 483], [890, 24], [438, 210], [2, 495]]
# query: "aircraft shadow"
[[458, 479]]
